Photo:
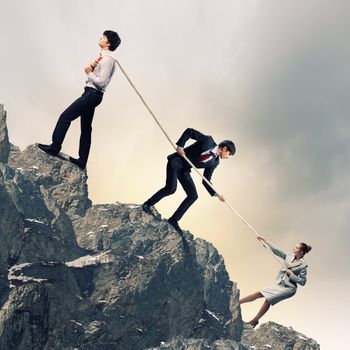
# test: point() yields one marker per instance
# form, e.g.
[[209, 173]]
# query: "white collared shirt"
[[100, 77]]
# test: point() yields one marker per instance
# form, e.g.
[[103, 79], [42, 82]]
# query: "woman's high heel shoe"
[[253, 324]]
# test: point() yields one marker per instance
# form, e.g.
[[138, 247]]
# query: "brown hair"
[[229, 145], [305, 247], [113, 39]]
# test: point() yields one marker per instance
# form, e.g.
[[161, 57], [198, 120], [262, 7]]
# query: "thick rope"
[[192, 165]]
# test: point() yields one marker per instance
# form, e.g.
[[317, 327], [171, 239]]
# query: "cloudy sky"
[[271, 75]]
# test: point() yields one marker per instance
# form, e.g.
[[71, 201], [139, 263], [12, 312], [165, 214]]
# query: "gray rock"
[[66, 183], [30, 230], [41, 306], [220, 294], [145, 287], [184, 285], [140, 283], [274, 336], [199, 344], [80, 277], [4, 138]]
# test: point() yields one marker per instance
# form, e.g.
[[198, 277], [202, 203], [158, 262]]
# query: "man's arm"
[[208, 172], [190, 134], [106, 64]]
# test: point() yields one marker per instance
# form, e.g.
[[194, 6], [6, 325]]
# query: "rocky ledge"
[[81, 276]]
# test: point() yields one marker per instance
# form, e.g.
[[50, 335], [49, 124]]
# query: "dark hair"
[[230, 146], [305, 247], [113, 39]]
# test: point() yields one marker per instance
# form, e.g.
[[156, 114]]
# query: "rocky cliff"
[[4, 138], [273, 336], [81, 276]]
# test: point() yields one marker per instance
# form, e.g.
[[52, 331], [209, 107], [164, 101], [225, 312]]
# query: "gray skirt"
[[277, 293]]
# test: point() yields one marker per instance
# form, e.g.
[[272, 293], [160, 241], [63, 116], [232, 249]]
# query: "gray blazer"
[[298, 267]]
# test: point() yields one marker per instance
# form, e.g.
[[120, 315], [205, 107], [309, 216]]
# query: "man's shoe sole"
[[50, 152], [178, 229], [147, 209], [73, 161]]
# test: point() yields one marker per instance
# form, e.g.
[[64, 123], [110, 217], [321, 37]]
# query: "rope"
[[192, 165]]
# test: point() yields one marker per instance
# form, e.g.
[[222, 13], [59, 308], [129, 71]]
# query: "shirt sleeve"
[[300, 278], [102, 79], [276, 251], [208, 172]]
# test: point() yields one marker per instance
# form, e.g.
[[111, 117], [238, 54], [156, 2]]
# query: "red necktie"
[[98, 59], [205, 156]]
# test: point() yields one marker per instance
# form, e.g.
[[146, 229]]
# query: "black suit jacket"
[[203, 143]]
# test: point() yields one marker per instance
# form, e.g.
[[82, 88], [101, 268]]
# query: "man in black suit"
[[204, 153]]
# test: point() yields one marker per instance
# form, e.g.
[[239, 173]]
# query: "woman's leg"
[[250, 297], [260, 314]]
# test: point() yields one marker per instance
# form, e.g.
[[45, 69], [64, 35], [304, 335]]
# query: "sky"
[[271, 75]]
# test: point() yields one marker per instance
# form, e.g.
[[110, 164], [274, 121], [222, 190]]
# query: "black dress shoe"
[[175, 224], [48, 149], [147, 208], [77, 162]]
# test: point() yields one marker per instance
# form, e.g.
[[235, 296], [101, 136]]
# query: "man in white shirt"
[[99, 74]]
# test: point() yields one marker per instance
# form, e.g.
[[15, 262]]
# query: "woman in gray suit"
[[287, 279]]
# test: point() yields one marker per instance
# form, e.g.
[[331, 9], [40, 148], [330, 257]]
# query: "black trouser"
[[177, 170], [83, 107]]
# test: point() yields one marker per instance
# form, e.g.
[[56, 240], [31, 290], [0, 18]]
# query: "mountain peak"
[[4, 138]]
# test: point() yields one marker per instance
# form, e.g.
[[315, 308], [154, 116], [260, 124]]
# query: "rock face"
[[131, 283], [274, 336], [174, 289], [81, 276], [200, 344], [32, 227], [4, 139], [64, 183]]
